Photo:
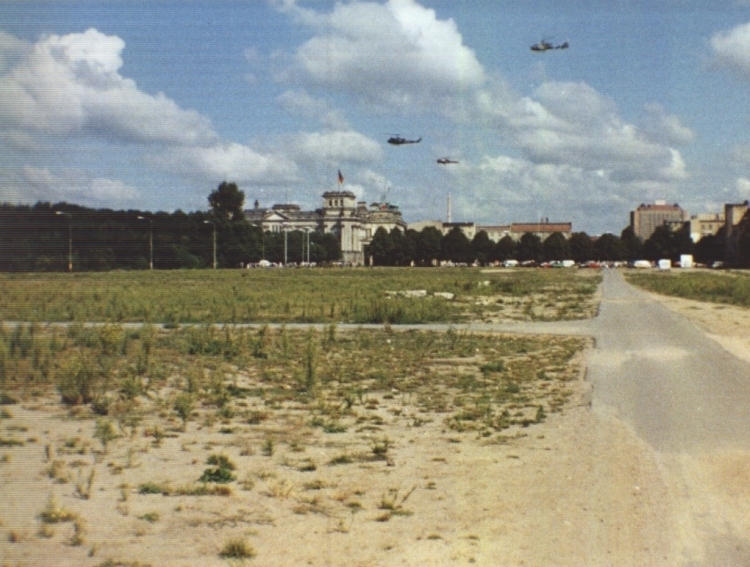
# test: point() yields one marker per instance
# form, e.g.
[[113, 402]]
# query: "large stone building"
[[736, 224], [646, 218], [705, 224], [352, 221], [516, 230]]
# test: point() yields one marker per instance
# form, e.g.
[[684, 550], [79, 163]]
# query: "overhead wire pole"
[[70, 238], [214, 225], [150, 242]]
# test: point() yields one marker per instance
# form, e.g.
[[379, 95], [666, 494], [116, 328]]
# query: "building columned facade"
[[542, 229], [341, 214]]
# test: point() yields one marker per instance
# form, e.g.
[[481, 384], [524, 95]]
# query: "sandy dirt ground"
[[577, 489]]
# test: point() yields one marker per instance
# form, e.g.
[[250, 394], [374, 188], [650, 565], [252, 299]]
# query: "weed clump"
[[237, 549]]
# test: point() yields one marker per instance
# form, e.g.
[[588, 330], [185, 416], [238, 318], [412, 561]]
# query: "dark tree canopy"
[[505, 249], [581, 247], [556, 247], [482, 247], [529, 248], [456, 247], [608, 248], [227, 201]]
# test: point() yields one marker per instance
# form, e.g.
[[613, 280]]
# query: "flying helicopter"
[[546, 46], [446, 161], [542, 46], [398, 140]]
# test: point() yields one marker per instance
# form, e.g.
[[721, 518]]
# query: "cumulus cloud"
[[666, 128], [78, 186], [335, 147], [397, 53], [228, 160], [742, 188], [70, 84], [731, 49], [571, 124], [300, 103]]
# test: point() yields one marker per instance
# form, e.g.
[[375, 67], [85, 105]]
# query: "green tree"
[[608, 248], [710, 249], [456, 247], [397, 256], [482, 247], [667, 243], [633, 247], [429, 244], [227, 201], [581, 247], [380, 247], [556, 247], [505, 249], [529, 248]]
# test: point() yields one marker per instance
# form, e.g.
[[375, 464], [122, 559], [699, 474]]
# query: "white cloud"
[[334, 148], [71, 85], [666, 128], [228, 161], [397, 53], [732, 49], [78, 186], [300, 103], [742, 188]]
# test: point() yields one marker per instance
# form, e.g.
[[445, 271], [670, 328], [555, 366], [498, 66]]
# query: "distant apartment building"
[[646, 218], [736, 224], [705, 224], [341, 214]]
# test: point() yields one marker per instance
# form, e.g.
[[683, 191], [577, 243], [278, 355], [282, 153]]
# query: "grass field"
[[732, 288], [209, 443], [300, 296]]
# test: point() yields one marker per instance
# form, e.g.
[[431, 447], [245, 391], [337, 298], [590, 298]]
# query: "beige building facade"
[[341, 214], [646, 218]]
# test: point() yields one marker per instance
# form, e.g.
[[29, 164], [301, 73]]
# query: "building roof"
[[659, 207], [541, 227]]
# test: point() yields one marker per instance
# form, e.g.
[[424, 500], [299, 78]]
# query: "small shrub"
[[221, 461], [104, 431], [183, 405], [237, 549], [218, 475]]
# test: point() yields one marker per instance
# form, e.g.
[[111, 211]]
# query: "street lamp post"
[[214, 225], [70, 238], [283, 227], [307, 233], [150, 242]]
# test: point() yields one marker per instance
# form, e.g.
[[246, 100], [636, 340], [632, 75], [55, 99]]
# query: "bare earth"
[[578, 489]]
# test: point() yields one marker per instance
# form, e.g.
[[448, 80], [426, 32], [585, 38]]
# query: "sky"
[[149, 105]]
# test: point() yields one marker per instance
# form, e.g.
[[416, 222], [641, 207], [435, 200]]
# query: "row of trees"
[[43, 236], [39, 237], [396, 248]]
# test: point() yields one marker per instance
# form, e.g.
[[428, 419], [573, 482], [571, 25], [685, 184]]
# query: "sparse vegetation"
[[732, 288], [237, 549], [274, 406]]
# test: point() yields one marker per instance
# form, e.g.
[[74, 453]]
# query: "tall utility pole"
[[150, 242], [70, 238], [283, 226], [214, 225]]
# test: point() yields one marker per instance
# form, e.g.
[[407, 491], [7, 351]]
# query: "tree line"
[[397, 248], [39, 237], [45, 237]]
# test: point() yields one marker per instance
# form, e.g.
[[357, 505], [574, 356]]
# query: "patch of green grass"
[[731, 288], [220, 296]]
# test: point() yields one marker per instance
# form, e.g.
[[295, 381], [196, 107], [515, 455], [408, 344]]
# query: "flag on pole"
[[341, 178]]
